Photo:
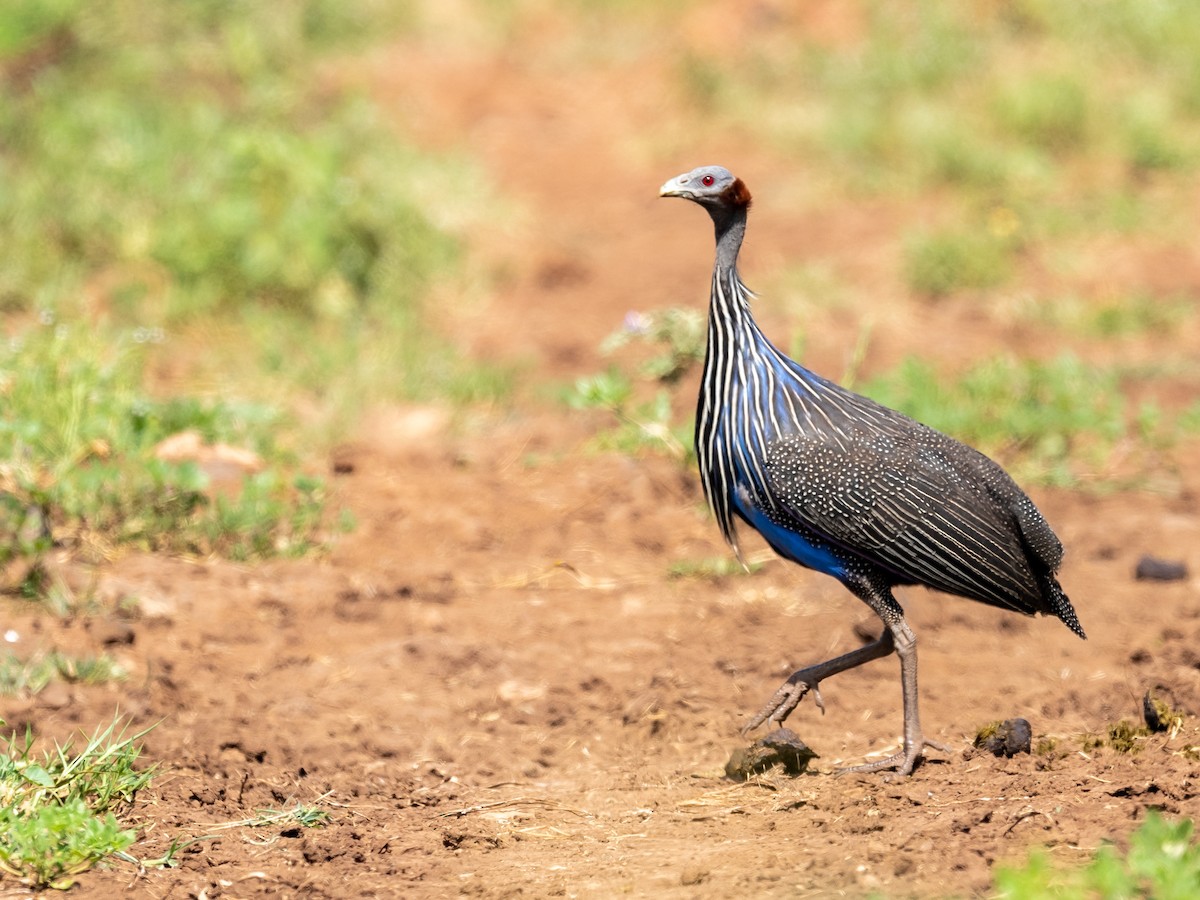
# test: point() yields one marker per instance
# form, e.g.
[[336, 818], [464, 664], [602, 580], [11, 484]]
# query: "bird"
[[850, 488]]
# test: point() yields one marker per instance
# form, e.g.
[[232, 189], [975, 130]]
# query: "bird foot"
[[903, 762], [789, 695], [786, 699]]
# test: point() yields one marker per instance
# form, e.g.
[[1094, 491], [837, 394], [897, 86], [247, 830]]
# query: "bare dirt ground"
[[493, 683]]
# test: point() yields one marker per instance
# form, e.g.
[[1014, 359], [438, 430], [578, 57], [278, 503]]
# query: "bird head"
[[712, 186]]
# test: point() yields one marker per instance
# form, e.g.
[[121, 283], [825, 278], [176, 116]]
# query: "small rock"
[[344, 459], [55, 696], [113, 634], [514, 691], [1007, 738], [1150, 568], [1159, 715], [404, 429], [782, 747]]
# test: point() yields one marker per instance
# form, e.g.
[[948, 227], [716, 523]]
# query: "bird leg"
[[914, 741], [792, 691]]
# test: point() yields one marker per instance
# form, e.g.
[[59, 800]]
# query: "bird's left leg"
[[879, 597], [792, 691]]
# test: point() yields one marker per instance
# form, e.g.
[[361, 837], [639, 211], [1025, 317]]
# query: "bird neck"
[[729, 299], [730, 227]]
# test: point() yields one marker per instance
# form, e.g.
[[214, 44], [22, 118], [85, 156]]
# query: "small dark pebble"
[[1159, 715], [1010, 737], [782, 747], [1150, 568], [116, 633], [342, 461], [1150, 713]]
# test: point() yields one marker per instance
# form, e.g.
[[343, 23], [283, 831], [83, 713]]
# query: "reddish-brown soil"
[[493, 685]]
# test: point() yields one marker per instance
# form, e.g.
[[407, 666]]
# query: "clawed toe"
[[817, 698], [903, 762], [782, 702], [789, 695]]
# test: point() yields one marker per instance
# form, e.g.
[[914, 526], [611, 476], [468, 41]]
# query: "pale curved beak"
[[675, 187]]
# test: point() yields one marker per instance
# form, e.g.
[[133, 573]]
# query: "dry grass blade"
[[515, 803]]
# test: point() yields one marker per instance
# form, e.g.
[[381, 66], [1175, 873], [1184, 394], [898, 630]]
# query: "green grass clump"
[[986, 731], [712, 567], [1151, 143], [956, 156], [1049, 749], [1120, 737], [29, 676], [49, 846], [1046, 111], [641, 424], [60, 811], [679, 335], [955, 259], [1125, 737], [645, 423], [1139, 314], [78, 466], [1163, 862]]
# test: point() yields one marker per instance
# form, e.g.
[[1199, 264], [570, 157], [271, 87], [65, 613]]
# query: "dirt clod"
[[1159, 715], [1007, 738], [1150, 568], [782, 747]]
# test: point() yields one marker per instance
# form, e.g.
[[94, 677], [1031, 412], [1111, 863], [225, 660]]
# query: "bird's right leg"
[[915, 741], [879, 597], [792, 691]]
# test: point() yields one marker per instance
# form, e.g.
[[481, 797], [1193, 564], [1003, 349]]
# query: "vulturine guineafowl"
[[838, 483]]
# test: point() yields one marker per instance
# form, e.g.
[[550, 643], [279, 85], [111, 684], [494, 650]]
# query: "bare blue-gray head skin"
[[727, 200]]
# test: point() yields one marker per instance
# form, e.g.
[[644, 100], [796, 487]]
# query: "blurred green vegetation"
[[643, 407], [32, 674], [946, 261], [182, 189], [176, 161], [1061, 118], [79, 467], [1163, 861], [191, 167]]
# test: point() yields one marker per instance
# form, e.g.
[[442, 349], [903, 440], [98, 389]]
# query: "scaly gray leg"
[[914, 741], [792, 691]]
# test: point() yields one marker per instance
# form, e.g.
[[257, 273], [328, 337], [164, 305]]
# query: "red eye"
[[707, 180]]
